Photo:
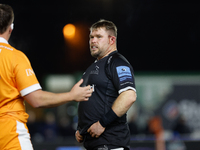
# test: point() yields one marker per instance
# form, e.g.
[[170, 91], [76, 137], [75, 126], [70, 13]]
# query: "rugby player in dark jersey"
[[102, 122]]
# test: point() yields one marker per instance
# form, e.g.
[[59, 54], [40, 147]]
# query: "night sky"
[[153, 35]]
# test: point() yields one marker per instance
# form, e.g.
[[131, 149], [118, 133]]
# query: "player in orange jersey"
[[18, 83]]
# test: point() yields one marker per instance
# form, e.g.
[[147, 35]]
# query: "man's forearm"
[[124, 102], [41, 98], [119, 108]]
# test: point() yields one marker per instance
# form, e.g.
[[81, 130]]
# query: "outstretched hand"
[[81, 93], [96, 129]]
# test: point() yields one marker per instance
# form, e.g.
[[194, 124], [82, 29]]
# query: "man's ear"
[[10, 31], [112, 39], [11, 28]]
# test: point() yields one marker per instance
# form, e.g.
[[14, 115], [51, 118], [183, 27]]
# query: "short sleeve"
[[25, 77], [121, 73]]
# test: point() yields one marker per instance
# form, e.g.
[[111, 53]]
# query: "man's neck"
[[6, 34], [110, 50], [3, 40]]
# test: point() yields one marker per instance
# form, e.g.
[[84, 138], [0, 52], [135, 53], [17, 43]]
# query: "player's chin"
[[95, 55]]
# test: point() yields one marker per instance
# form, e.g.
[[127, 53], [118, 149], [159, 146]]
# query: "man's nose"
[[93, 40]]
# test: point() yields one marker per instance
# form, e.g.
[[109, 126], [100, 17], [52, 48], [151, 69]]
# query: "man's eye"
[[99, 36]]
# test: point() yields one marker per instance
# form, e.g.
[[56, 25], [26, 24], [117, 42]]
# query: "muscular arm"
[[124, 102], [120, 107], [42, 98]]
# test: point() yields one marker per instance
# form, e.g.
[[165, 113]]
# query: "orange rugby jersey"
[[17, 79]]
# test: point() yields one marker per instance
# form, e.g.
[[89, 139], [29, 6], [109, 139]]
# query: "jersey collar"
[[107, 55], [2, 40]]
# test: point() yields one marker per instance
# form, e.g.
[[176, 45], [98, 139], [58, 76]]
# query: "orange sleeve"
[[26, 80]]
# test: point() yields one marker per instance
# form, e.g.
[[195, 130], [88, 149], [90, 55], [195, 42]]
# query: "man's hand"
[[96, 129], [79, 137], [81, 93]]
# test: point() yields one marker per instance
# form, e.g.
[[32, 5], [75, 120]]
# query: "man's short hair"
[[6, 17], [108, 25]]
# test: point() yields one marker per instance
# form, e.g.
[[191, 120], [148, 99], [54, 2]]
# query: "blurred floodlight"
[[69, 31], [59, 83]]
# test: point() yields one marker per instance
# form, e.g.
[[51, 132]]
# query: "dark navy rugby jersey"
[[109, 77]]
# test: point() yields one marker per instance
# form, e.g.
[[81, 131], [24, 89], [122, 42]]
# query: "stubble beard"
[[95, 54]]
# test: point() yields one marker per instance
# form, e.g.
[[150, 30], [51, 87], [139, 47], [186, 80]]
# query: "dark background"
[[153, 35]]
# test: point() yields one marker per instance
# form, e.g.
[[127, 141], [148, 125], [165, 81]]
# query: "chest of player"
[[96, 76]]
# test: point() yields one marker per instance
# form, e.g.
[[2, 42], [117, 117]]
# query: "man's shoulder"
[[116, 57], [10, 52], [8, 48]]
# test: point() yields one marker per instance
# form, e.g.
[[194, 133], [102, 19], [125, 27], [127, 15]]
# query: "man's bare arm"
[[42, 98]]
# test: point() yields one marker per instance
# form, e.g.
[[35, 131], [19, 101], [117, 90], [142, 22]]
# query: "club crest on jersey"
[[124, 74], [95, 71]]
